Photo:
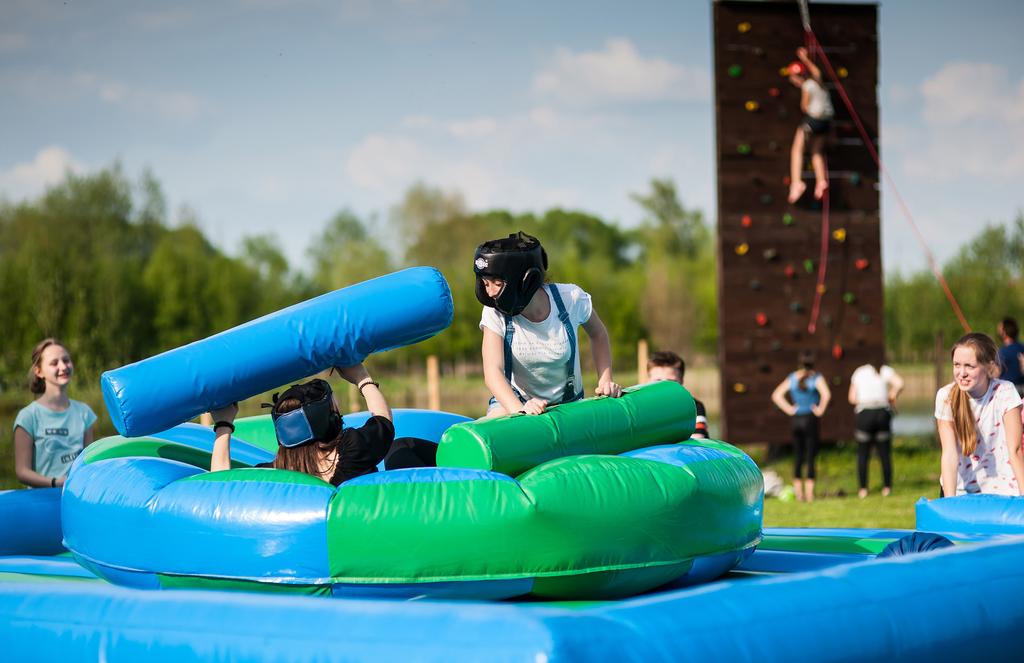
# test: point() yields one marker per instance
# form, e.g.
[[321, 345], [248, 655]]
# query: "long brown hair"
[[985, 352], [304, 458], [36, 384]]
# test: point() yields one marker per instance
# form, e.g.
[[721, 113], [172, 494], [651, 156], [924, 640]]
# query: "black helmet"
[[313, 420], [520, 261]]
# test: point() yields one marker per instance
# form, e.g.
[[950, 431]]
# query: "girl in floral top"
[[979, 422]]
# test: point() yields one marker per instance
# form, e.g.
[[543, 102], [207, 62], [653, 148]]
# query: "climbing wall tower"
[[770, 251]]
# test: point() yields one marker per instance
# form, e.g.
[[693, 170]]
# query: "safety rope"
[[819, 288], [816, 47]]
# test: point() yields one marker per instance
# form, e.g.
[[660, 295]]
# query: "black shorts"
[[814, 126]]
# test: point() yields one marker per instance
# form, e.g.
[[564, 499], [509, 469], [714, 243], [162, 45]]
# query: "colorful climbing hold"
[[739, 388], [770, 254], [839, 234], [786, 180], [849, 297], [843, 72], [796, 307], [865, 319], [761, 319], [821, 289], [837, 351], [751, 105], [746, 221], [741, 249], [783, 71], [855, 179], [837, 380], [744, 27], [734, 71], [787, 219], [743, 148], [861, 263], [774, 92], [790, 271], [809, 266]]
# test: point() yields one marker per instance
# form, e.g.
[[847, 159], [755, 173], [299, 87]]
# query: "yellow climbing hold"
[[821, 289], [839, 234], [742, 249], [843, 73], [751, 105], [744, 27], [739, 388]]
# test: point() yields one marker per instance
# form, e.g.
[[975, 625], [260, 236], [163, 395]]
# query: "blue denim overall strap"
[[570, 394]]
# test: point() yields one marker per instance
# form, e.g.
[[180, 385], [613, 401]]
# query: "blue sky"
[[268, 116]]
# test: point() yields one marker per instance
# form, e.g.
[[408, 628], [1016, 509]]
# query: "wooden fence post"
[[433, 383], [641, 361]]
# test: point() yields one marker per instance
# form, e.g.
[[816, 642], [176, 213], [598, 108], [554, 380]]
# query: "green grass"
[[915, 475]]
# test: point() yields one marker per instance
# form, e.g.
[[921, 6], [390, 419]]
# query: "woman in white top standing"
[[818, 113], [979, 422], [530, 339], [873, 392]]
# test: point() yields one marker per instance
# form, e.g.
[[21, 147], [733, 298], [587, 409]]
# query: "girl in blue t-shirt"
[[808, 398], [53, 429]]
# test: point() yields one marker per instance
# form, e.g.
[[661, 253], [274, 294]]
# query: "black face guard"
[[314, 420], [520, 261]]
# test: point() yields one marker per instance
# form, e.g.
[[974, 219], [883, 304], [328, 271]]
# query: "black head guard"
[[313, 420], [520, 261]]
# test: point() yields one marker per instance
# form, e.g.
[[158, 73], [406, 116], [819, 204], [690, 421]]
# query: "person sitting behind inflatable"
[[667, 365], [530, 330], [312, 437]]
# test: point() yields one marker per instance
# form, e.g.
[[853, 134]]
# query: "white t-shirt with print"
[[872, 387], [988, 469], [540, 350]]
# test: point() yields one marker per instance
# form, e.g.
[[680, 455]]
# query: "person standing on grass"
[[1011, 354], [52, 430], [874, 389], [979, 422], [809, 396]]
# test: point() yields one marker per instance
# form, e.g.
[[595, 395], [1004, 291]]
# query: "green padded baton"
[[647, 415]]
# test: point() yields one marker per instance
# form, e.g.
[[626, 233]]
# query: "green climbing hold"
[[735, 71], [849, 297], [743, 148], [809, 266], [787, 219]]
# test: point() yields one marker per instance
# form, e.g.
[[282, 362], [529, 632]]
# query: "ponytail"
[[963, 420]]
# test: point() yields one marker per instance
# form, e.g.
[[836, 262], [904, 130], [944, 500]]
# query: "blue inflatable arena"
[[597, 531]]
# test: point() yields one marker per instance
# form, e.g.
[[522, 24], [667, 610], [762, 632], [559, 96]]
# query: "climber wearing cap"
[[530, 336], [313, 439], [818, 113]]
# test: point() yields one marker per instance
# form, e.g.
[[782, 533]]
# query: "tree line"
[[97, 261]]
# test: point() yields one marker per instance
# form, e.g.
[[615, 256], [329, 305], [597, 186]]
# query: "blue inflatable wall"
[[340, 328], [980, 514]]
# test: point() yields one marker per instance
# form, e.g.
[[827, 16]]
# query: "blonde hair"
[[36, 384], [985, 352]]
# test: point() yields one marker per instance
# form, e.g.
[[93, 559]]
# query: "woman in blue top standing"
[[808, 398], [52, 430]]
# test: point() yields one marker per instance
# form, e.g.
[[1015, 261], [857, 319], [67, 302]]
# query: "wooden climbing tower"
[[769, 250]]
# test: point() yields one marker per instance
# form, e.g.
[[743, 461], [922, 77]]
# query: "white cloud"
[[49, 166], [170, 104], [619, 74], [167, 19], [13, 41], [474, 128], [972, 125], [382, 161]]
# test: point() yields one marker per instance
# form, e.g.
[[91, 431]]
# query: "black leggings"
[[805, 444], [410, 452], [874, 427]]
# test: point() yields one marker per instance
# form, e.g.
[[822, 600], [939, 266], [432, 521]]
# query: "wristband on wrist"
[[224, 424], [53, 482], [365, 383]]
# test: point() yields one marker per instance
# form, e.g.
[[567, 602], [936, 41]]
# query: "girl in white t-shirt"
[[979, 422], [873, 392], [530, 337], [52, 430], [814, 127]]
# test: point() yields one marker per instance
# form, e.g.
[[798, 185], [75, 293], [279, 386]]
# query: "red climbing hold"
[[861, 263], [761, 319], [746, 221], [837, 351]]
